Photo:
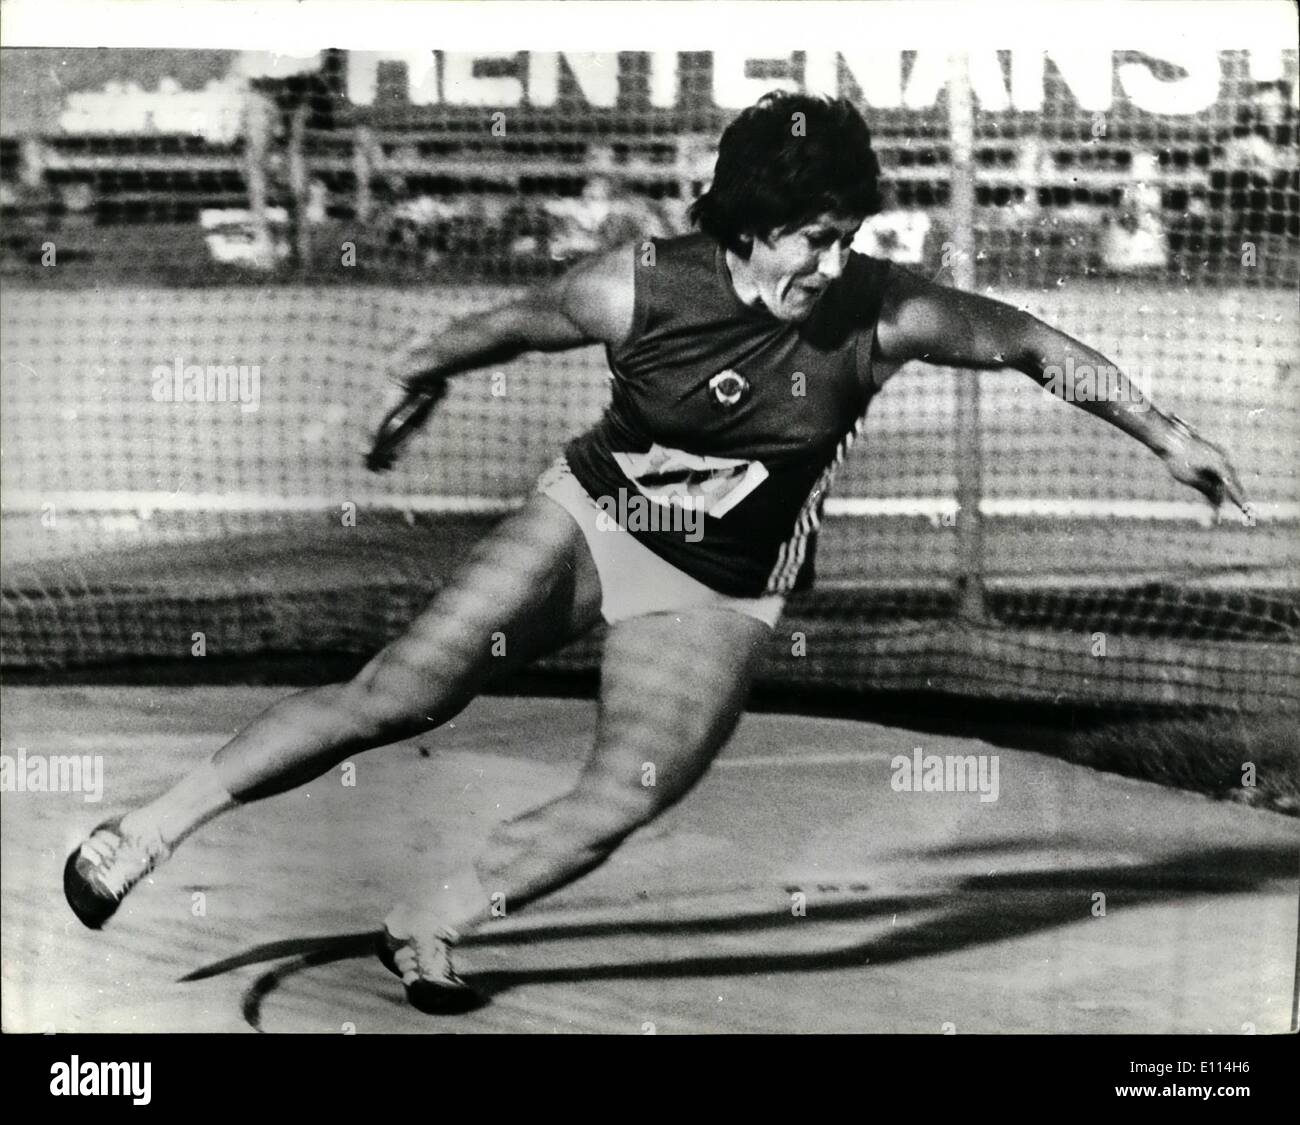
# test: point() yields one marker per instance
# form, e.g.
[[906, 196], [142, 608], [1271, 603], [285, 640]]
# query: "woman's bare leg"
[[672, 688], [528, 586]]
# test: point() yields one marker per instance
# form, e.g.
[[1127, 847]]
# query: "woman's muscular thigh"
[[527, 587], [673, 687]]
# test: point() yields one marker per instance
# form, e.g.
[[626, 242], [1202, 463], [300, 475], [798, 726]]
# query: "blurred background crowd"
[[272, 174]]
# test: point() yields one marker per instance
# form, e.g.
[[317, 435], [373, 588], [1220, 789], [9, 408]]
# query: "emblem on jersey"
[[713, 485], [728, 388]]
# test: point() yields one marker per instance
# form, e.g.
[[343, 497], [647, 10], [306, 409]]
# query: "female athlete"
[[744, 357]]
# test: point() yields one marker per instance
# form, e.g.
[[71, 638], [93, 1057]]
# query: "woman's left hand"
[[1202, 465]]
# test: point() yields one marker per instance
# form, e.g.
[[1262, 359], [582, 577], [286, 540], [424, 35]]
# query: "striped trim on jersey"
[[790, 558]]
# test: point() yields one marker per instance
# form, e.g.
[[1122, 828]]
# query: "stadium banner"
[[87, 92]]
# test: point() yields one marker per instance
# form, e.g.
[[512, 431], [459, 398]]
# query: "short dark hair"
[[776, 171]]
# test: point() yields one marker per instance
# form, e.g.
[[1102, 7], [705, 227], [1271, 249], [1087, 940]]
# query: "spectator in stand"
[[1254, 169], [608, 213], [1252, 188]]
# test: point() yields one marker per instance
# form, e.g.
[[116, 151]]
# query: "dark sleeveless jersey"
[[732, 417]]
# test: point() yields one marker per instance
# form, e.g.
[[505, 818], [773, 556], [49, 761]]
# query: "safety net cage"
[[209, 258]]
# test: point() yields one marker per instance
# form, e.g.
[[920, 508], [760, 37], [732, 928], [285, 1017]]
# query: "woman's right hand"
[[414, 366]]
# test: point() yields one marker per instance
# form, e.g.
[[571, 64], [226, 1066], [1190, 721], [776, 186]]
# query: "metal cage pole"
[[970, 485], [257, 131]]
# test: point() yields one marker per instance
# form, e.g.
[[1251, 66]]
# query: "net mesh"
[[287, 246]]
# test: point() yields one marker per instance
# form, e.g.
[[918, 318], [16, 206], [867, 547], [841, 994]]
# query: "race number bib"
[[673, 478]]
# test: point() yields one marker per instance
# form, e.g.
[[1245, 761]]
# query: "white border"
[[758, 27]]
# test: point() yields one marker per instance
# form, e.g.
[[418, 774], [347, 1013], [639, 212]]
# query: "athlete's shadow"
[[965, 912], [968, 912]]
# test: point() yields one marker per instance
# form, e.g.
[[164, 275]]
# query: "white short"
[[634, 580]]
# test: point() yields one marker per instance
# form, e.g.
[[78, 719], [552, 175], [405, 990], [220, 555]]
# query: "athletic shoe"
[[421, 956], [98, 875]]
